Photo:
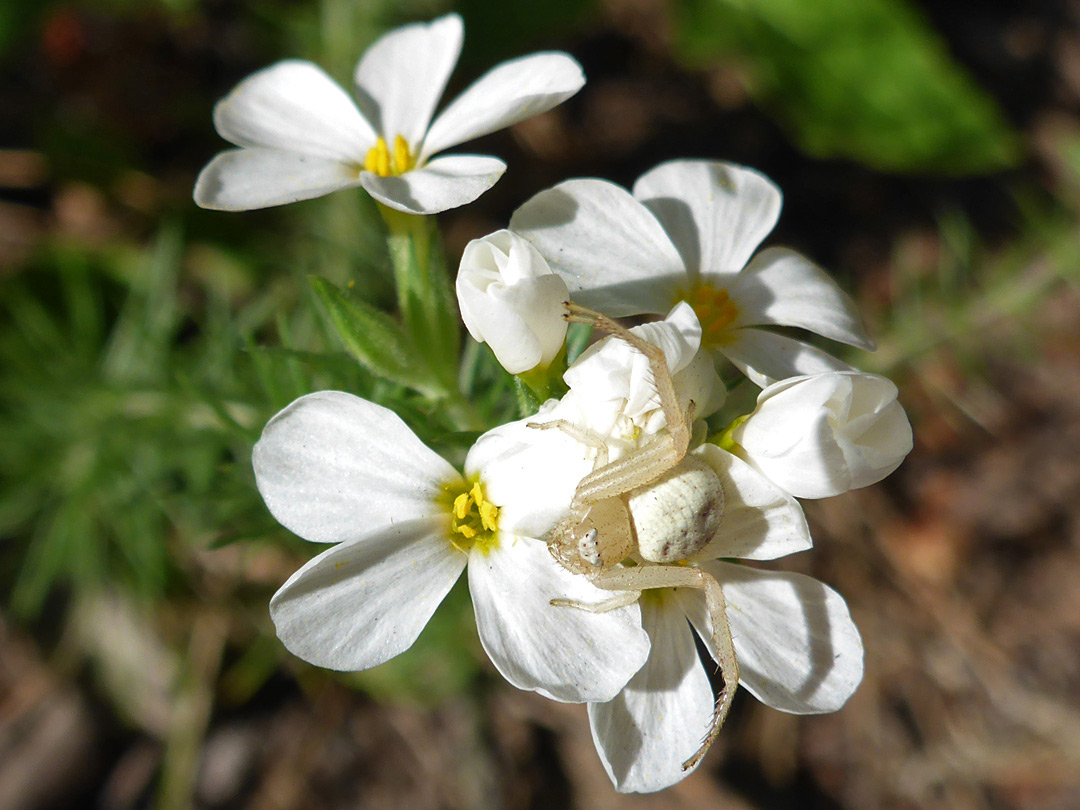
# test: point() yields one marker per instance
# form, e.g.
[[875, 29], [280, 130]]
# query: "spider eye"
[[588, 548]]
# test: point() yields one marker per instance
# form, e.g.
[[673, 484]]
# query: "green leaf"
[[865, 80], [374, 339]]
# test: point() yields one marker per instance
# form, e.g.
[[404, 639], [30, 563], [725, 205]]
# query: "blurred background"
[[929, 153]]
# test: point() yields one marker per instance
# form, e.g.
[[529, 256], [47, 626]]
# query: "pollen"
[[474, 520], [385, 161], [715, 310]]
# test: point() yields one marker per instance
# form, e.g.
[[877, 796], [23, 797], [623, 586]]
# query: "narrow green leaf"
[[375, 340]]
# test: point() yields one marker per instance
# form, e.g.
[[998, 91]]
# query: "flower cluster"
[[626, 512]]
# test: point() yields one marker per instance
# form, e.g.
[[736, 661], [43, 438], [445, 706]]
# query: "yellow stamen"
[[378, 159], [461, 506], [403, 158], [386, 163], [714, 309], [489, 515], [474, 520]]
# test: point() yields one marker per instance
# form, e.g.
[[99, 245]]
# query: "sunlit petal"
[[564, 653], [612, 253], [246, 179], [401, 77], [333, 467], [360, 603], [782, 288], [658, 721], [295, 107], [510, 92], [716, 213], [798, 649]]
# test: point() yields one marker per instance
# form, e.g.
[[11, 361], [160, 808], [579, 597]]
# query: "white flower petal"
[[402, 75], [766, 357], [658, 721], [678, 335], [564, 653], [761, 521], [333, 467], [612, 382], [699, 382], [361, 603], [792, 436], [820, 435], [529, 474], [612, 253], [540, 302], [246, 179], [612, 369], [792, 439], [442, 184], [798, 649], [516, 346], [716, 213], [881, 448], [295, 107], [511, 300], [510, 92], [782, 288]]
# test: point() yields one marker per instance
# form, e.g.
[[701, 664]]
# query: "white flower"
[[334, 468], [688, 233], [797, 647], [511, 300], [824, 434], [301, 136], [613, 396]]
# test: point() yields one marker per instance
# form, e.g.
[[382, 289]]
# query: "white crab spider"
[[654, 509]]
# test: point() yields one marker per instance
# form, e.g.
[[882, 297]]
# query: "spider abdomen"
[[677, 515]]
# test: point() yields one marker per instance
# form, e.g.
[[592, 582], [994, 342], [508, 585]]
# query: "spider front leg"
[[645, 577], [578, 434], [678, 423]]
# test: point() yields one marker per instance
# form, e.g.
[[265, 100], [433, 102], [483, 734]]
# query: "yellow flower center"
[[385, 162], [474, 520], [715, 310]]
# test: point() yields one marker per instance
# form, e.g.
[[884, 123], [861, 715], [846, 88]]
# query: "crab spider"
[[654, 508]]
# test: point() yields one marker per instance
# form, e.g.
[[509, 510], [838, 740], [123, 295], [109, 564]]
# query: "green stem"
[[425, 296], [428, 307]]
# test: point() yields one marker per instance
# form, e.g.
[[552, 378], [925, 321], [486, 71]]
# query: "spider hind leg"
[[644, 577]]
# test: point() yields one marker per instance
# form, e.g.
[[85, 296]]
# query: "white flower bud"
[[824, 434], [511, 300]]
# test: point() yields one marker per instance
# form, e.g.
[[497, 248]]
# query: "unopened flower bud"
[[511, 300], [823, 434]]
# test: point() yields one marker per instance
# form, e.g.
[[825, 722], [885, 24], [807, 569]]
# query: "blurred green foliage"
[[131, 426], [861, 79]]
